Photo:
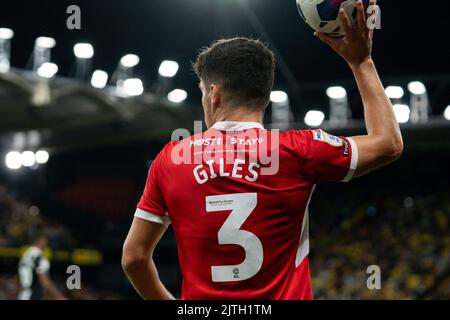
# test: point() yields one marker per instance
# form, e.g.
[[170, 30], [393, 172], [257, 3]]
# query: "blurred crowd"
[[19, 221], [406, 237]]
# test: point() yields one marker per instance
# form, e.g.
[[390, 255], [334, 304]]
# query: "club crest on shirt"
[[320, 135]]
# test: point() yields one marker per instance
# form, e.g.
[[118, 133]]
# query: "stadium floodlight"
[[125, 71], [419, 102], [45, 42], [177, 96], [402, 113], [336, 93], [129, 61], [13, 160], [5, 49], [168, 68], [133, 87], [47, 70], [6, 34], [42, 157], [84, 53], [28, 159], [314, 118], [279, 97], [99, 79], [417, 88], [83, 50], [42, 51], [447, 113], [395, 92], [339, 108]]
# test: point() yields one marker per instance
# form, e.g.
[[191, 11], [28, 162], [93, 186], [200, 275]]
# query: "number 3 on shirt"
[[241, 206]]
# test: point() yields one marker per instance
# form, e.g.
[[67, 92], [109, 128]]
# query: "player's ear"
[[215, 96]]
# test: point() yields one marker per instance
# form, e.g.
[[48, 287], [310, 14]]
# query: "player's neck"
[[242, 116]]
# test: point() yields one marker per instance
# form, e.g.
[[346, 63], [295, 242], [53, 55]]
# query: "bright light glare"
[[42, 157], [133, 87], [99, 79], [177, 96], [13, 160], [417, 88], [129, 60], [83, 50], [314, 118], [47, 70], [278, 96], [336, 93], [395, 92], [168, 68], [402, 113], [6, 33], [28, 158], [447, 113], [45, 42]]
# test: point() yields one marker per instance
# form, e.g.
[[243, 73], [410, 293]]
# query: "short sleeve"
[[326, 157], [43, 265], [152, 206]]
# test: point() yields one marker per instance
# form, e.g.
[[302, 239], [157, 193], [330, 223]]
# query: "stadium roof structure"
[[70, 114], [67, 114]]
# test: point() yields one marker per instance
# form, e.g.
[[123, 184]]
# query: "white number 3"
[[241, 206]]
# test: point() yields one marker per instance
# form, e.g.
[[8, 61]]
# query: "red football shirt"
[[237, 197]]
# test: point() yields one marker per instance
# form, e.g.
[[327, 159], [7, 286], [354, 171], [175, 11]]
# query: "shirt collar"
[[237, 125]]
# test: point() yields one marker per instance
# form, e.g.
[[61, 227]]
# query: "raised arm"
[[383, 143]]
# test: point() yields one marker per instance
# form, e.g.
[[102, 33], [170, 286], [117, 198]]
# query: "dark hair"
[[245, 68]]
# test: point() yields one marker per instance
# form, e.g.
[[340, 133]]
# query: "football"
[[323, 15]]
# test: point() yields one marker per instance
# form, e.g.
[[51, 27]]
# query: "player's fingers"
[[346, 24], [333, 43], [361, 16]]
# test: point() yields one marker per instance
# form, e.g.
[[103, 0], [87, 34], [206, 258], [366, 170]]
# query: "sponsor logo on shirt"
[[346, 149], [322, 136]]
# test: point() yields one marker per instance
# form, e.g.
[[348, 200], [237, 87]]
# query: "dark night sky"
[[411, 43]]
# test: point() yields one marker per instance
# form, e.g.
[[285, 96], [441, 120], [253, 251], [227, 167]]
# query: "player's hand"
[[356, 47]]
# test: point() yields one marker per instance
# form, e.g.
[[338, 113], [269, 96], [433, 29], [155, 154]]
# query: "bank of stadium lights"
[[133, 87], [417, 88], [278, 97], [125, 71], [314, 118], [84, 52], [447, 113], [129, 61], [281, 113], [42, 51], [15, 160], [42, 157], [168, 69], [99, 79], [177, 96], [395, 92], [28, 158], [419, 102], [339, 109], [47, 70], [402, 113], [6, 35]]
